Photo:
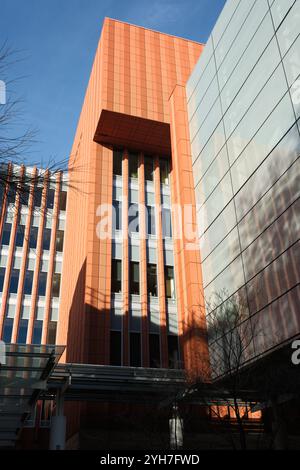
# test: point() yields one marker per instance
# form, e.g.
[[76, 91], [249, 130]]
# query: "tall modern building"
[[243, 107], [131, 292], [183, 194]]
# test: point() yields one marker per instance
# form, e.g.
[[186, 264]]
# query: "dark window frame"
[[46, 239], [152, 280], [62, 201], [50, 198], [37, 332], [164, 170], [2, 277], [56, 285], [133, 165], [117, 162], [134, 283], [168, 278], [154, 351], [28, 281], [7, 228], [117, 215], [33, 237], [14, 281], [133, 218], [151, 220], [135, 349], [115, 348], [59, 240], [20, 233], [116, 276], [42, 284], [22, 331], [148, 162]]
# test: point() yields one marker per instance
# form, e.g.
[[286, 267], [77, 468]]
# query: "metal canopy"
[[111, 383], [23, 374], [85, 382]]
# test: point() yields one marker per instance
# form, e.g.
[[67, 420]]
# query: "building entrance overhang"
[[134, 133], [86, 382]]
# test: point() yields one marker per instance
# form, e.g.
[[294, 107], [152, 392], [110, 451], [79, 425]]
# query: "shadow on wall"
[[84, 341], [89, 333], [75, 350]]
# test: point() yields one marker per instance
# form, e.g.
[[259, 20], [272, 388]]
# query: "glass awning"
[[24, 370]]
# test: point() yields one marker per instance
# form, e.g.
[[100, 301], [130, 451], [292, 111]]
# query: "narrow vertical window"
[[173, 352], [164, 171], [50, 198], [117, 215], [117, 162], [46, 239], [42, 284], [154, 350], [28, 282], [59, 240], [62, 200], [22, 332], [11, 195], [33, 237], [135, 350], [133, 162], [7, 330], [37, 332], [133, 218], [37, 196], [134, 278], [115, 348], [51, 335], [2, 276], [56, 285], [166, 223], [24, 195], [6, 234], [170, 285], [149, 168], [152, 280], [14, 281], [20, 235], [150, 220], [116, 276]]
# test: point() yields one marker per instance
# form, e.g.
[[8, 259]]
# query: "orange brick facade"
[[135, 100]]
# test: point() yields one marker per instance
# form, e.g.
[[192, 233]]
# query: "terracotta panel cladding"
[[134, 73], [143, 67], [126, 75], [143, 73]]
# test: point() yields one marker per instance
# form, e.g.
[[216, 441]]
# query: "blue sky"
[[57, 40]]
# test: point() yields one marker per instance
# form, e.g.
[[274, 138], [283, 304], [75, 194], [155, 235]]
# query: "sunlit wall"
[[244, 107]]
